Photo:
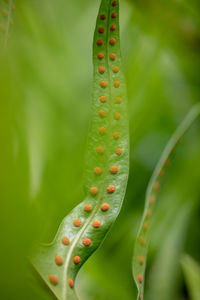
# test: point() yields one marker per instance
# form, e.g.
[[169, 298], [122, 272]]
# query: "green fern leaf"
[[142, 241], [106, 168]]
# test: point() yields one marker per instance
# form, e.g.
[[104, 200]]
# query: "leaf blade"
[[107, 164], [142, 240]]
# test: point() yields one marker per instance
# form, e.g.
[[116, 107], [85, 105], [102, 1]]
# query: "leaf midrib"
[[88, 221]]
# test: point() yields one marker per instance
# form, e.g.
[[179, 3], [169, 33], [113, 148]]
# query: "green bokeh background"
[[45, 94]]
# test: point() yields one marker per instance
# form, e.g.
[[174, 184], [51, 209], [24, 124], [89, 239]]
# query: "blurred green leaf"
[[191, 271], [142, 241], [6, 21]]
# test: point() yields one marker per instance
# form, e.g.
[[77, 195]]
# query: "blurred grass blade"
[[106, 168], [141, 244], [6, 9], [191, 272]]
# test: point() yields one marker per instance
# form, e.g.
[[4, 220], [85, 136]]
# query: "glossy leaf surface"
[[106, 167], [142, 241]]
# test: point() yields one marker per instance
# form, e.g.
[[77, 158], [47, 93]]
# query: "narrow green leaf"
[[191, 271], [163, 279], [106, 167], [142, 241], [6, 8]]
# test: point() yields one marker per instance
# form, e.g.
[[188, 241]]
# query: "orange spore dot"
[[103, 99], [160, 173], [156, 186], [116, 135], [65, 241], [101, 30], [145, 226], [71, 283], [141, 259], [102, 69], [116, 83], [100, 55], [118, 151], [87, 207], [76, 259], [111, 189], [94, 190], [13, 7], [77, 222], [113, 56], [148, 214], [103, 17], [4, 13], [114, 170], [139, 277], [99, 42], [151, 200], [105, 206], [112, 41], [179, 140], [166, 163], [53, 279], [103, 84], [2, 28], [58, 260], [142, 241], [11, 21], [97, 171], [114, 15], [140, 296], [116, 69], [114, 3], [96, 224], [102, 130], [86, 242], [102, 113], [172, 150], [117, 115], [113, 27], [100, 149], [118, 100]]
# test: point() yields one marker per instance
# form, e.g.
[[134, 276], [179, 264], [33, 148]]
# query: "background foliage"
[[45, 80]]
